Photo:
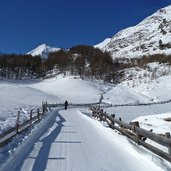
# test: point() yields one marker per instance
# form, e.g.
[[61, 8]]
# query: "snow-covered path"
[[75, 142]]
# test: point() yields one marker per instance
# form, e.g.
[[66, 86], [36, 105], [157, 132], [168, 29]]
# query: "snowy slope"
[[154, 82], [122, 95], [26, 95], [143, 39], [70, 88], [43, 50], [103, 44]]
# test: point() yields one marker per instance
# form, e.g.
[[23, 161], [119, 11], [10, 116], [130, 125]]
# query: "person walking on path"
[[66, 104]]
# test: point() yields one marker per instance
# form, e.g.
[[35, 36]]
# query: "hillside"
[[151, 36], [103, 44]]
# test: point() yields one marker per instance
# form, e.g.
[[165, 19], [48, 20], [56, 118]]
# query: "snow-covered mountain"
[[43, 50], [151, 36], [103, 44]]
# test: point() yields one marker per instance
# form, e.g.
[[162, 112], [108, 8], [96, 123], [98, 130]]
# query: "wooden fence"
[[5, 137], [136, 134], [73, 104], [134, 104], [131, 130]]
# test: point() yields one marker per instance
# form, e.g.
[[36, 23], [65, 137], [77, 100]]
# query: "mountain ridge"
[[43, 50], [151, 36], [103, 43]]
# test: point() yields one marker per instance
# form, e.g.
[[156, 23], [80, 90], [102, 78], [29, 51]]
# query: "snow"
[[43, 50], [76, 142], [121, 95], [159, 123], [70, 88], [156, 88], [27, 144], [103, 44], [72, 140], [15, 96]]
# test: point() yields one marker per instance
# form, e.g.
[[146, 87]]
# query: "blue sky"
[[25, 24]]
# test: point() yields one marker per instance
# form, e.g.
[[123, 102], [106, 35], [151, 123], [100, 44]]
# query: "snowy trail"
[[75, 142]]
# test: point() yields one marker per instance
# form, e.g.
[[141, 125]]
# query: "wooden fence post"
[[120, 119], [38, 114], [112, 122], [136, 124], [31, 116], [93, 113], [46, 103], [104, 117], [167, 134], [101, 114], [44, 108], [18, 122]]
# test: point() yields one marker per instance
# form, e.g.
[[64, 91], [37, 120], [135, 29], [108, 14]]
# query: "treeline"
[[86, 61], [160, 58], [14, 66], [142, 62]]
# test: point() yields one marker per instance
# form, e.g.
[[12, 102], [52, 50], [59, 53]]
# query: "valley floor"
[[71, 140]]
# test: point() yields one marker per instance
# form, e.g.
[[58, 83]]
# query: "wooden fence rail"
[[73, 104], [34, 117], [135, 104], [135, 133]]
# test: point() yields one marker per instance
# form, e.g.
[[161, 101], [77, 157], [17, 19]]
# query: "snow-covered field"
[[71, 88], [18, 96], [73, 141]]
